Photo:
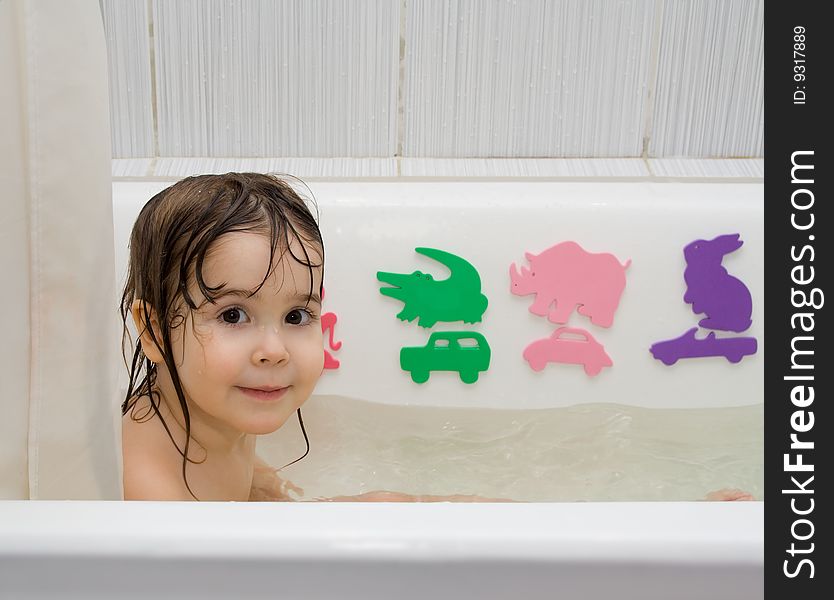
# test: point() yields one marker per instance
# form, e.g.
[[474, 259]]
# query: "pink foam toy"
[[328, 324], [569, 276], [556, 348]]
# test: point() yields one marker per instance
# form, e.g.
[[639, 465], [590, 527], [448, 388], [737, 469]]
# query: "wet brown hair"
[[168, 245]]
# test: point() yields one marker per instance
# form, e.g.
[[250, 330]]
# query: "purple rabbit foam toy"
[[711, 290]]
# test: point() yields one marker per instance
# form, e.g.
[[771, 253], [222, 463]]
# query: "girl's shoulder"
[[152, 465]]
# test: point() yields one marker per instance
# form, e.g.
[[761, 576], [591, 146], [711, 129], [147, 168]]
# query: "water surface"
[[594, 452]]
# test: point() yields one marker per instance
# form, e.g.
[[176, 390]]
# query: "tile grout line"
[[154, 101], [648, 120], [401, 90]]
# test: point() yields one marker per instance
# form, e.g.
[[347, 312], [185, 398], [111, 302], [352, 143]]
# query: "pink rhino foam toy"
[[568, 275]]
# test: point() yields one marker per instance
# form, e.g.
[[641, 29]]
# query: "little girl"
[[224, 286]]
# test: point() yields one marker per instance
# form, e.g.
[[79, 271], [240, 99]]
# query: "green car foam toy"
[[444, 352], [457, 298]]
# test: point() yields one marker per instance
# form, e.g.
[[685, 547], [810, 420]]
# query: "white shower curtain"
[[59, 424]]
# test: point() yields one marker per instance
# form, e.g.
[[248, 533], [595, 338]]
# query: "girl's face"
[[249, 363]]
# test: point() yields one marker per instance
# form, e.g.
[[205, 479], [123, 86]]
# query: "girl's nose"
[[271, 349]]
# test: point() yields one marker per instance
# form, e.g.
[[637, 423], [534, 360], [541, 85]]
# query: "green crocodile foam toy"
[[457, 298]]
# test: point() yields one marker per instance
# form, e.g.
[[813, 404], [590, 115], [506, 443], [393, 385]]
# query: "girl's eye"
[[299, 316], [234, 316]]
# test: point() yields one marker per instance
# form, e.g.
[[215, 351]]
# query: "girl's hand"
[[268, 487], [728, 495]]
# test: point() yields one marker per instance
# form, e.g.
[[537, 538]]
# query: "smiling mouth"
[[264, 395]]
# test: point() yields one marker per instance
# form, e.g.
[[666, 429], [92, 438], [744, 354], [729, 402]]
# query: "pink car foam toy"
[[569, 276], [586, 351]]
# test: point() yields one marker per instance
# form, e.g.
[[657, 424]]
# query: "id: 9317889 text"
[[799, 64]]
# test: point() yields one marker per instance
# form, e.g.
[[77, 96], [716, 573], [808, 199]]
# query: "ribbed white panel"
[[531, 78], [597, 169], [525, 167], [131, 108], [708, 167], [710, 84], [264, 78], [131, 167], [305, 168], [485, 78]]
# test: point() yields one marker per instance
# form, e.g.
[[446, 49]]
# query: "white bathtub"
[[619, 550], [594, 551]]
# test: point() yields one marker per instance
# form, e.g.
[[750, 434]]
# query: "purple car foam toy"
[[688, 346], [724, 299]]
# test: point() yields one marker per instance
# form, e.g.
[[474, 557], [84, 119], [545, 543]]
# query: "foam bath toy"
[[444, 352], [711, 290], [688, 346], [328, 324], [585, 351], [457, 298], [569, 276]]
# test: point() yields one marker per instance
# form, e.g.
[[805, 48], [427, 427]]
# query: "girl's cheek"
[[306, 346], [208, 327], [315, 353], [231, 342], [220, 349]]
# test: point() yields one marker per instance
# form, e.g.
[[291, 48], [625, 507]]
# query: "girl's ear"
[[149, 347]]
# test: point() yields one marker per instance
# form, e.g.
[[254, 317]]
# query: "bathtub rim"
[[707, 533]]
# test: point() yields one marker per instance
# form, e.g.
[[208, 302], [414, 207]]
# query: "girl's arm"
[[268, 487], [728, 495], [146, 481]]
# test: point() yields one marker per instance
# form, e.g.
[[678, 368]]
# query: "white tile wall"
[[265, 78], [526, 78], [744, 168], [563, 168], [435, 78], [710, 83], [131, 96], [305, 168]]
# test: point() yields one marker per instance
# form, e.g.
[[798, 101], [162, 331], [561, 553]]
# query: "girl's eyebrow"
[[238, 292], [314, 297], [299, 297]]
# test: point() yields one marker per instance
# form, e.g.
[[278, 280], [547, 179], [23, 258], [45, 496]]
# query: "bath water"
[[592, 452]]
